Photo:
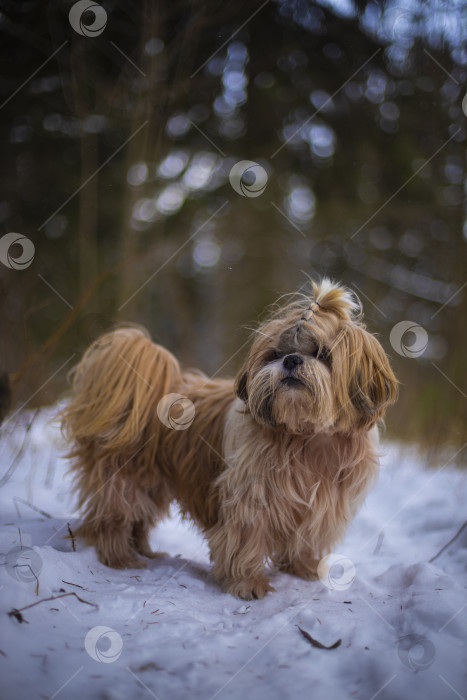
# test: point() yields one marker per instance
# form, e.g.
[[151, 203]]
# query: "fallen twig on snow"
[[11, 469], [450, 542], [72, 537], [18, 566], [27, 503], [16, 612], [75, 584], [379, 543], [315, 643]]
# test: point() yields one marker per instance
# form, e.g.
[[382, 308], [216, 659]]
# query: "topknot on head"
[[331, 297], [325, 297]]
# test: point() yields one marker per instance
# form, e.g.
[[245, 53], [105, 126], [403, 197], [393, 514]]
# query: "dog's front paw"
[[308, 572], [249, 589]]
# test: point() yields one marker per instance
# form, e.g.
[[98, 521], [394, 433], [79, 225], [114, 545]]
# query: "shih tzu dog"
[[271, 467]]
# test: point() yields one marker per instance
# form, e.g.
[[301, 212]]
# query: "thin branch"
[[69, 583], [315, 643], [18, 566], [27, 503], [73, 541], [16, 612], [450, 542], [11, 469]]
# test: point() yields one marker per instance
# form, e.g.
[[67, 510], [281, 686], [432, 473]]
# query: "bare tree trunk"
[[155, 105], [140, 149], [88, 217], [88, 258]]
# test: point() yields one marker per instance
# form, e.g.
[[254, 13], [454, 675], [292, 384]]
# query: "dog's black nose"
[[291, 361]]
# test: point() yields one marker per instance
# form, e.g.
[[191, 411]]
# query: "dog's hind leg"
[[118, 519], [159, 508], [140, 535], [114, 545], [113, 425]]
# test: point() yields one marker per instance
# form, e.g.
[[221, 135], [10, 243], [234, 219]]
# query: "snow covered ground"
[[168, 632]]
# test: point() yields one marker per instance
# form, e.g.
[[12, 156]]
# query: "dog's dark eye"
[[275, 355], [323, 355]]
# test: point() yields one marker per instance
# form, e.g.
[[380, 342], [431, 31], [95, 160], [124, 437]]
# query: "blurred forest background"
[[116, 152]]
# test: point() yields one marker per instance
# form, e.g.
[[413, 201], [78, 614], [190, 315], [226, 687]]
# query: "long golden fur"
[[272, 468]]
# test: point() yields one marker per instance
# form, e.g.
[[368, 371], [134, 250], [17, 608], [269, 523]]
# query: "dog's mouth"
[[292, 381]]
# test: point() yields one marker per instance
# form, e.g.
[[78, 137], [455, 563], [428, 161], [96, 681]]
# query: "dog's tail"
[[112, 417]]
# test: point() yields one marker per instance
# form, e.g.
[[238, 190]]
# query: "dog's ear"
[[241, 385], [362, 376]]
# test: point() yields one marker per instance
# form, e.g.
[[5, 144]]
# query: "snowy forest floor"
[[169, 632]]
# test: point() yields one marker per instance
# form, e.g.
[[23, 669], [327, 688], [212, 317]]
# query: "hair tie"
[[314, 306]]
